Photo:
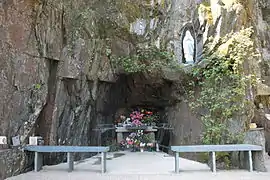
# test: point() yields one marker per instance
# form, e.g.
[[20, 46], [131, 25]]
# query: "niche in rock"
[[136, 91], [188, 44], [191, 42]]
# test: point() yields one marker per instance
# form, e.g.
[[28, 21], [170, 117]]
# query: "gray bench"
[[38, 162], [215, 148]]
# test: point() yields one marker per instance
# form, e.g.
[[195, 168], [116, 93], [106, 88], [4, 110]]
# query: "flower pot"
[[141, 149]]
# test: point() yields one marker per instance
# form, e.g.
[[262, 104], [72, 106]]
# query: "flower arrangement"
[[138, 139], [138, 118], [149, 117], [134, 139]]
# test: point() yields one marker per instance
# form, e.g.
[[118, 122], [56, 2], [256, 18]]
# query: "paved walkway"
[[139, 166]]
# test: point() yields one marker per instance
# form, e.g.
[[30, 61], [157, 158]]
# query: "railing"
[[162, 128]]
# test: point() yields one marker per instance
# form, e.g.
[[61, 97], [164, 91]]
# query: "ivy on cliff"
[[222, 85], [146, 59]]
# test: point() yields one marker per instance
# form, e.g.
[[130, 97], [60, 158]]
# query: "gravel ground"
[[140, 166]]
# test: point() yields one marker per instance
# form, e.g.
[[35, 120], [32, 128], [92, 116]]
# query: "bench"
[[38, 162], [212, 149]]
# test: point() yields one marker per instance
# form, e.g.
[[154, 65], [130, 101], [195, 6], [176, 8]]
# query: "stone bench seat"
[[216, 148], [38, 162]]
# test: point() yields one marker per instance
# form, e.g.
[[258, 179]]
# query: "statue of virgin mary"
[[188, 46]]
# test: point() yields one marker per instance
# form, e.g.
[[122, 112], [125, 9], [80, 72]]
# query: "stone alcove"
[[157, 92], [137, 91], [188, 43]]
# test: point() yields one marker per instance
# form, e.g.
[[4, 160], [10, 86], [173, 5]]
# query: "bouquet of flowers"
[[137, 139], [149, 117], [134, 139], [143, 117], [138, 117]]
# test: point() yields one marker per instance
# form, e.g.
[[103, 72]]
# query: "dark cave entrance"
[[112, 99], [138, 91]]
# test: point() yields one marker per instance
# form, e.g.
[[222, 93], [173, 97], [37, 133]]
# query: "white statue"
[[188, 45]]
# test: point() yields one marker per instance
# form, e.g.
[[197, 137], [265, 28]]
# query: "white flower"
[[142, 144]]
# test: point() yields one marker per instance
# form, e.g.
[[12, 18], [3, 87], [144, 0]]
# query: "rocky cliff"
[[57, 79]]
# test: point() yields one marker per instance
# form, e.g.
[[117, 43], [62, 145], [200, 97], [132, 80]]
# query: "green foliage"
[[220, 157], [37, 86], [114, 147], [223, 84], [224, 157], [147, 59], [150, 119], [148, 138], [205, 10]]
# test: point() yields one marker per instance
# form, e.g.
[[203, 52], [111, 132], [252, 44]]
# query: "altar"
[[121, 131], [124, 134], [137, 131]]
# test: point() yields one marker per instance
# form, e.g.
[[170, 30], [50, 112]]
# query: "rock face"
[[257, 137], [13, 162], [57, 79], [263, 94]]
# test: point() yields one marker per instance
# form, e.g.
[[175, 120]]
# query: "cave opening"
[[138, 91], [112, 99]]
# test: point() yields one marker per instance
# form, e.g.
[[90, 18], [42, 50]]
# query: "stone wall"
[[13, 162], [263, 92]]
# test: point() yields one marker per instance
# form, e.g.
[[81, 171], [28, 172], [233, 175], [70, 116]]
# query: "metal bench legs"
[[213, 161], [103, 162], [70, 161], [38, 161], [250, 161], [176, 160]]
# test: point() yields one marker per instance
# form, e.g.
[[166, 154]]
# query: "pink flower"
[[137, 122], [130, 142], [136, 115]]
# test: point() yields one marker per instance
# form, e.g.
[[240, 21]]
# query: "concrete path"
[[139, 166]]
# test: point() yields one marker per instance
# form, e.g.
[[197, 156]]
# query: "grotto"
[[67, 67]]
